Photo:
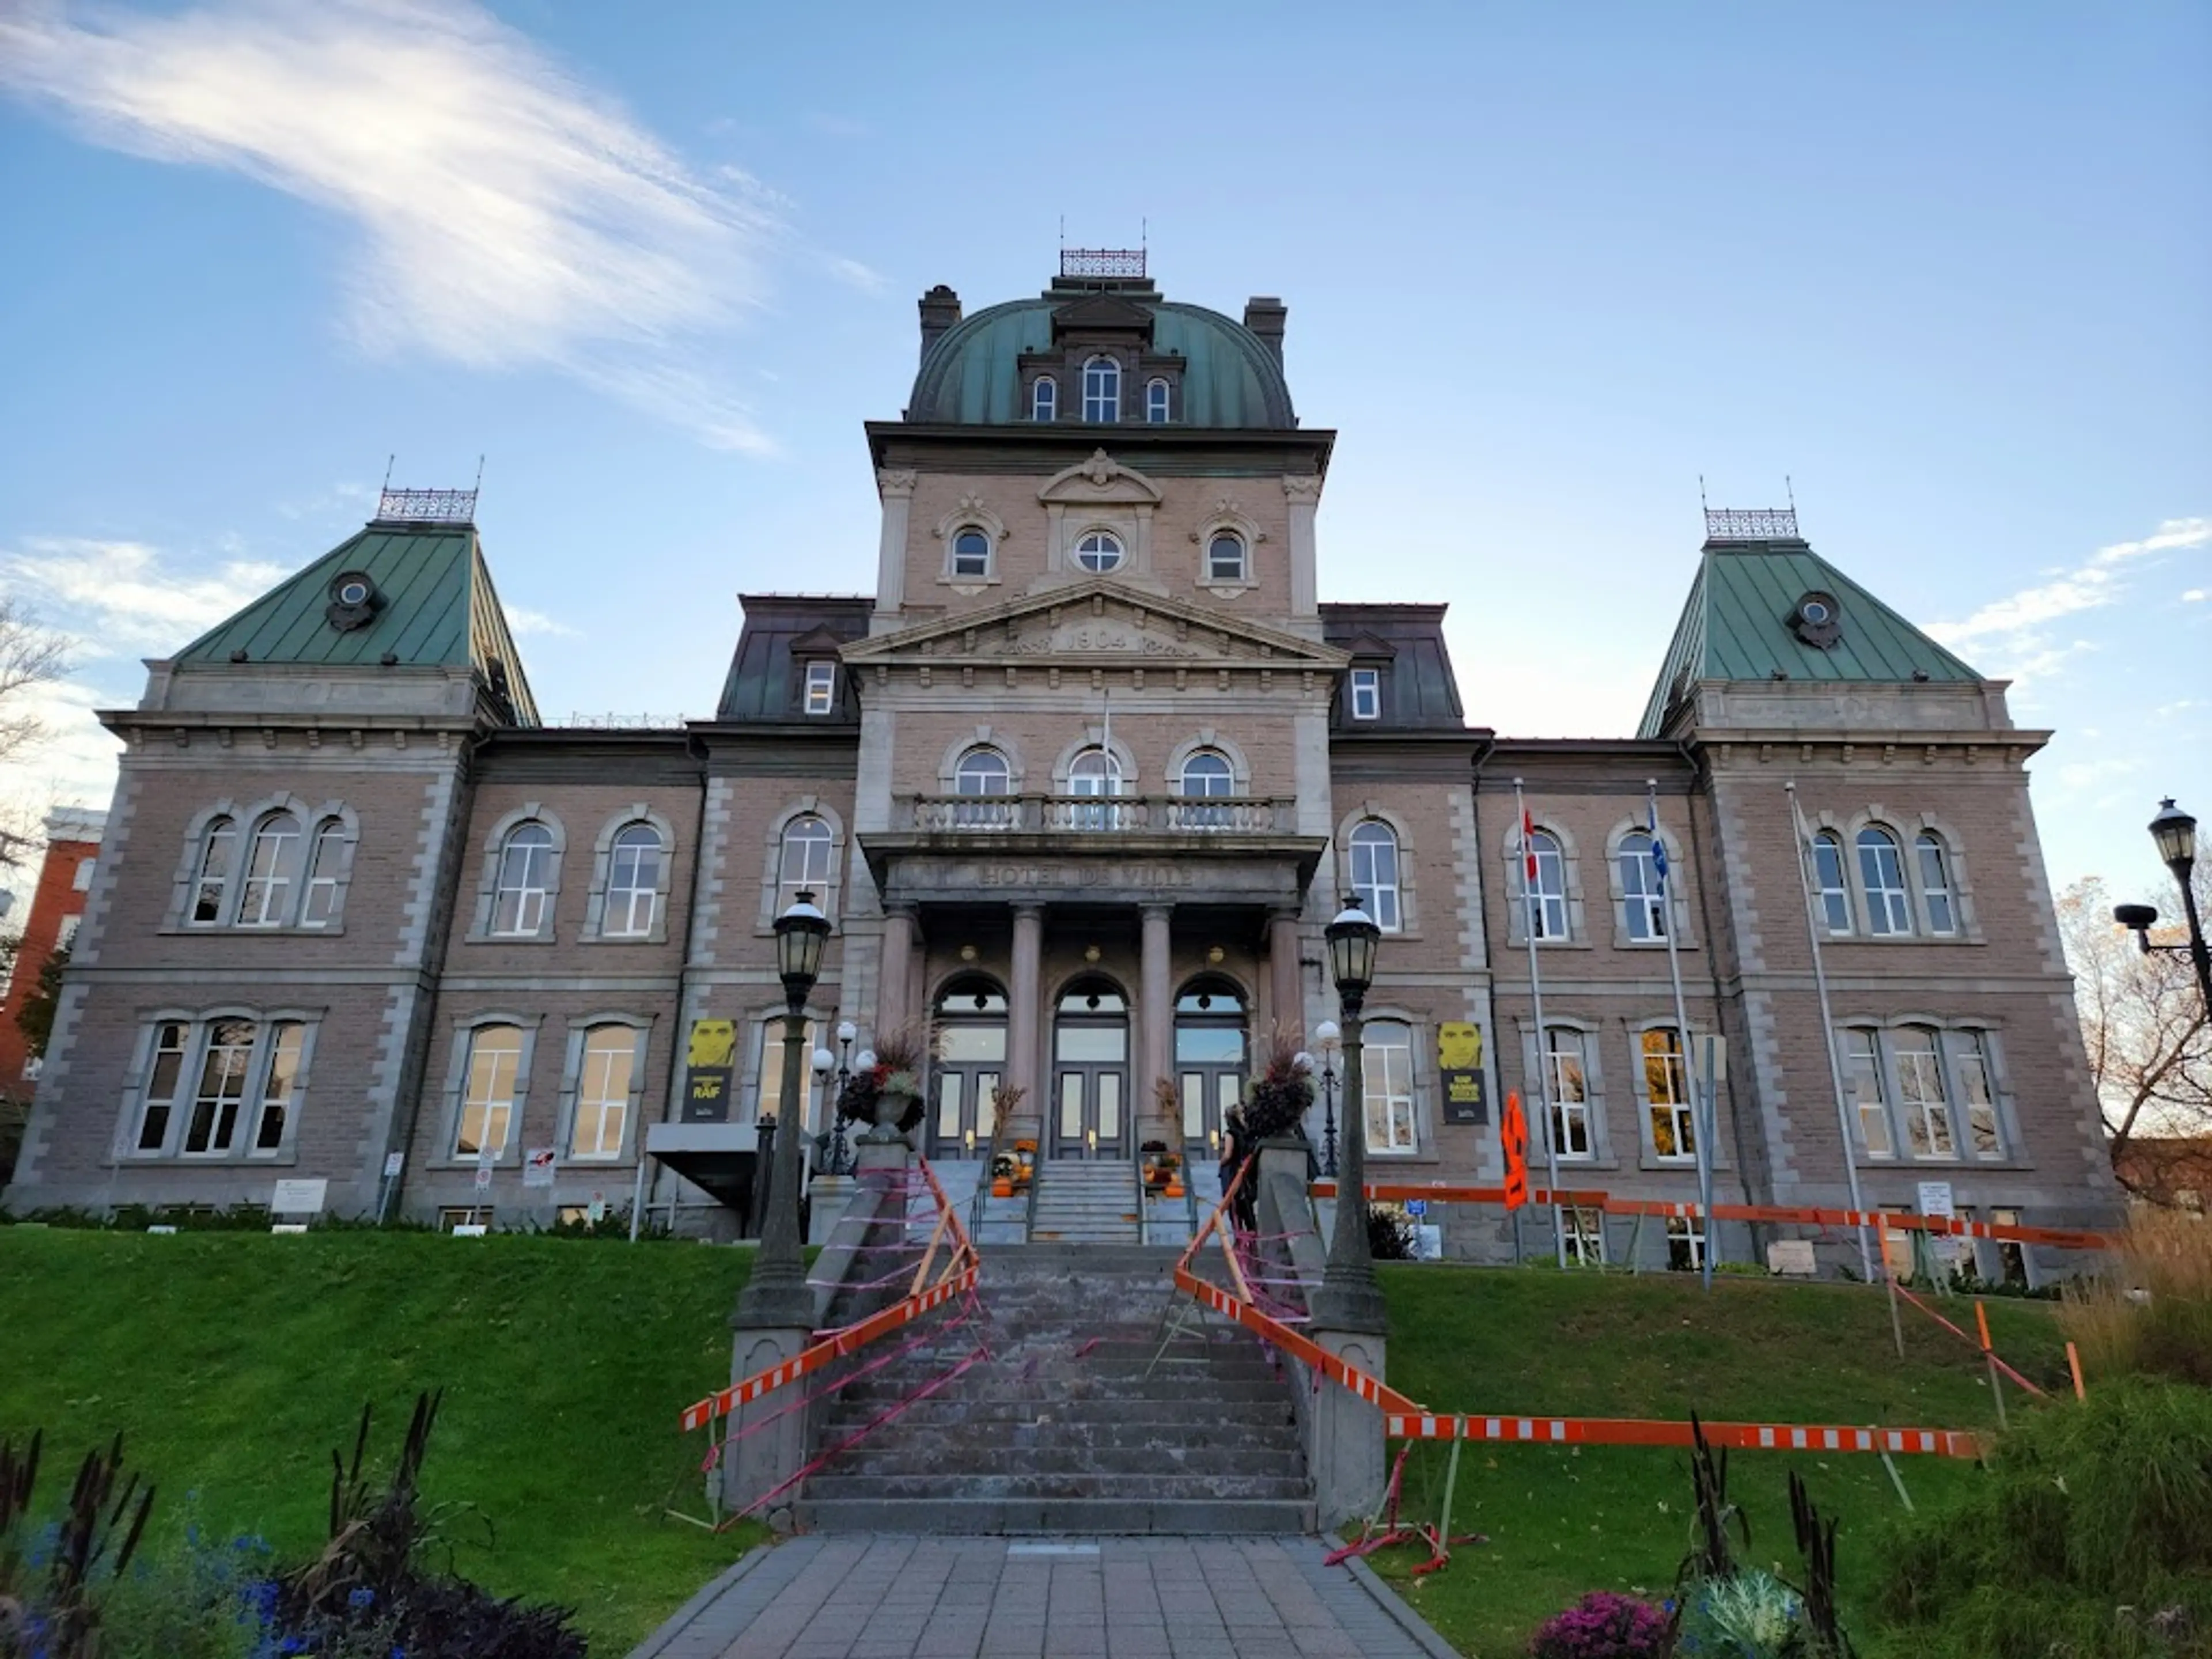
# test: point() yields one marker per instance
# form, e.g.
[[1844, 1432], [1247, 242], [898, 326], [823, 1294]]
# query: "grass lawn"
[[234, 1363], [1563, 1521]]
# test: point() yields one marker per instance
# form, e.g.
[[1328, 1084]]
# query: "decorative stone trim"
[[638, 812], [495, 844]]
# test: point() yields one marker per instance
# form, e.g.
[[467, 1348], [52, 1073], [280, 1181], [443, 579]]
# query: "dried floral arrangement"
[[901, 1054], [1277, 1100]]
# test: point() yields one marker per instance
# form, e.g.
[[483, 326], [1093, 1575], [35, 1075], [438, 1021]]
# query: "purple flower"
[[1604, 1624]]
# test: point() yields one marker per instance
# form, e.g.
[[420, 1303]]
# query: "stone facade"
[[1078, 786]]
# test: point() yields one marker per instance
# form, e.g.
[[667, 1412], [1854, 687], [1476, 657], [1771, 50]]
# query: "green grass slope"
[[234, 1362], [1567, 1520]]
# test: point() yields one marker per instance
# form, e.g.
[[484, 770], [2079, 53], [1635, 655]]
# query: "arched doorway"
[[1210, 1041], [1091, 1070], [970, 1018]]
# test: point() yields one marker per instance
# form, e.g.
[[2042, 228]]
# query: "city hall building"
[[1078, 784]]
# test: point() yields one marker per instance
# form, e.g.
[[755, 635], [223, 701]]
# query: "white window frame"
[[599, 1043], [213, 877], [1101, 390], [821, 689], [326, 857], [1862, 1076], [284, 1105], [269, 872], [1689, 1232], [1582, 1228], [1926, 1115], [1678, 1111], [172, 1106], [198, 1096], [492, 1102], [1888, 901], [1242, 570], [1833, 886], [1382, 899], [1939, 888], [1044, 398], [1158, 401], [253, 1091], [1366, 693], [767, 1070], [1571, 1101], [1550, 889], [1378, 1086], [1643, 900], [627, 889], [986, 782], [1967, 1049], [533, 899], [798, 836], [953, 558], [1101, 545]]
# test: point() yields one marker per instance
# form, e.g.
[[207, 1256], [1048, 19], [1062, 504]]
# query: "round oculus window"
[[1815, 611], [1098, 552]]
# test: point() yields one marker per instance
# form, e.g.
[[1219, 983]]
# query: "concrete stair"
[[1069, 1425], [1085, 1201]]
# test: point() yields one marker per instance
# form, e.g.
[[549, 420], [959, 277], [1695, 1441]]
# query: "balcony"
[[1106, 816]]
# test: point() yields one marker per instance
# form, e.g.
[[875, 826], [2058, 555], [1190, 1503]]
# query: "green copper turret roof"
[[1738, 625], [434, 607]]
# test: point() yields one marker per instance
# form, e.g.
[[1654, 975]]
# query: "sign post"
[[393, 1163]]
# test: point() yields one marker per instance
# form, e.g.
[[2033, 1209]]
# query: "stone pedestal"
[[758, 1462], [827, 1196], [1345, 1451]]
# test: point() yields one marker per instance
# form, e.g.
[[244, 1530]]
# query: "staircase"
[[1061, 1429], [1085, 1201]]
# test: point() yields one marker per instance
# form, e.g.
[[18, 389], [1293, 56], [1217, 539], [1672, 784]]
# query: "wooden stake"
[[1989, 1360], [1896, 1324], [2074, 1365]]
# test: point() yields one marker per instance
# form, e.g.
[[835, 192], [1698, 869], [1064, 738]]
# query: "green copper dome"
[[971, 374]]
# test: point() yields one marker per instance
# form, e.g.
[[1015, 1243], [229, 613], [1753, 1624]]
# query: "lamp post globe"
[[1348, 1298], [1329, 1039], [2175, 832], [776, 1294]]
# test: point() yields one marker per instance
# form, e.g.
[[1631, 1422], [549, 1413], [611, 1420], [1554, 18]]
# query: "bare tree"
[[31, 655], [2142, 1019]]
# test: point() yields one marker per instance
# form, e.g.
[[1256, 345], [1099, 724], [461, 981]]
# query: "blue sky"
[[1946, 268]]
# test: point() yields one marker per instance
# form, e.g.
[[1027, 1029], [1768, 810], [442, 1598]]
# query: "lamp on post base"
[[1348, 1298], [775, 1296], [2175, 832], [1329, 1039]]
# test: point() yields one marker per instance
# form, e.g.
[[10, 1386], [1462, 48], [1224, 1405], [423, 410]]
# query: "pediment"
[[1101, 313], [1098, 622], [1101, 478]]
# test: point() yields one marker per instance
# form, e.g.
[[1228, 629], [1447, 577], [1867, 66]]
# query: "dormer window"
[[1101, 390], [1224, 557], [1155, 401], [1367, 694], [971, 553], [1044, 398], [821, 687]]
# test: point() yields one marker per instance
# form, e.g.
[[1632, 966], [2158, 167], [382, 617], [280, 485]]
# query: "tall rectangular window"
[[225, 1068], [161, 1081], [1674, 1132], [603, 1093], [1583, 1229], [821, 687], [771, 1070], [1686, 1243], [270, 867], [1828, 877], [276, 1110], [1936, 885], [1367, 694], [487, 1092], [1567, 1075], [1546, 890], [319, 907], [1862, 1077], [1387, 1081], [1920, 1094], [1971, 1061]]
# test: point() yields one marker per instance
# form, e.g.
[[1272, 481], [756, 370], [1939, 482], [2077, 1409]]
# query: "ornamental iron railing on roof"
[[613, 722], [1750, 524], [428, 506], [1000, 815], [1102, 262]]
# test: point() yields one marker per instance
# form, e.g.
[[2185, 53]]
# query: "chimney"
[[1265, 315], [940, 309]]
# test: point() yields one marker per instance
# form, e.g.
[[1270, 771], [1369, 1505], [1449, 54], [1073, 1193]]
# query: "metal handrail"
[[1137, 1175]]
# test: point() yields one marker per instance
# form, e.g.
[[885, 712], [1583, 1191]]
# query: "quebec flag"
[[1658, 846]]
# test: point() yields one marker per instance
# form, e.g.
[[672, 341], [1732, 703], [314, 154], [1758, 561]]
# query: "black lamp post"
[[1329, 1037], [1348, 1298], [776, 1295], [841, 1153], [2175, 832]]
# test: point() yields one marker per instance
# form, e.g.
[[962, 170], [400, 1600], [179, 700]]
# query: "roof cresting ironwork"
[[1750, 524], [1102, 262], [428, 506]]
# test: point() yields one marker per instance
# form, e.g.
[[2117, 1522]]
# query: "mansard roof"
[[432, 605], [1420, 690], [1742, 621], [781, 632]]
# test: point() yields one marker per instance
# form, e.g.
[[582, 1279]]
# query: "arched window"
[[1567, 1073], [160, 1100], [1547, 887], [1044, 398], [1936, 885], [1095, 773], [271, 866], [971, 552], [217, 850], [1375, 873], [319, 907], [489, 1090], [1224, 557], [1208, 772], [1101, 390], [1644, 896], [1099, 551], [526, 877], [982, 771], [1386, 1076], [1155, 401], [276, 1106], [804, 866], [1666, 1093], [1828, 877], [633, 882], [603, 1082], [1882, 869], [225, 1069], [1920, 1094], [1862, 1076]]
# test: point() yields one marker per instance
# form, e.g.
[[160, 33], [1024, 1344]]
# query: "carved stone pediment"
[[1101, 478], [1101, 313]]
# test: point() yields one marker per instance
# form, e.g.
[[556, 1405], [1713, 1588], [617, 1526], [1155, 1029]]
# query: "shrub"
[[2151, 1313], [1390, 1235], [2091, 1536], [1604, 1624]]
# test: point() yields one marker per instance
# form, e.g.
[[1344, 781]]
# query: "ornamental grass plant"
[[2150, 1312]]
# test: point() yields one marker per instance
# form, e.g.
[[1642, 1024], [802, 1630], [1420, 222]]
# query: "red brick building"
[[73, 835]]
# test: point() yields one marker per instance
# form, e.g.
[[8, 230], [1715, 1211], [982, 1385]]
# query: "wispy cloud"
[[510, 216], [119, 598], [523, 620]]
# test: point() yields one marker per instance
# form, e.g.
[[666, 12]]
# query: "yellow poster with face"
[[1459, 1047], [714, 1041]]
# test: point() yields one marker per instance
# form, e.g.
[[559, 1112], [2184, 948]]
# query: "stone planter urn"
[[891, 1110]]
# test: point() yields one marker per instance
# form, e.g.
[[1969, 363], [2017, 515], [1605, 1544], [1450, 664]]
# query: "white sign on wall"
[[298, 1198], [538, 1167], [1935, 1199], [1793, 1257]]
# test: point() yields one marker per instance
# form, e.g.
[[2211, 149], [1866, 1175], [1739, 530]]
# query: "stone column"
[[1301, 491], [1023, 1070], [896, 487], [1288, 1005], [895, 979], [1155, 1050]]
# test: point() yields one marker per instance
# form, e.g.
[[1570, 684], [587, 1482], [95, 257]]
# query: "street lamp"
[[2175, 833], [841, 1154], [1330, 1039], [776, 1294], [1348, 1298]]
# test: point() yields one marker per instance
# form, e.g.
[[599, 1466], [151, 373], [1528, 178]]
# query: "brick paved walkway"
[[844, 1596]]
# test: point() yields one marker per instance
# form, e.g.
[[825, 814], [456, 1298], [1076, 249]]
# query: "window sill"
[[282, 1160], [510, 939], [1971, 1165], [1226, 589], [223, 930], [657, 936], [1651, 1163], [1622, 943], [1903, 938]]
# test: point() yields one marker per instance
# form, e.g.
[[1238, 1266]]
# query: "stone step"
[[1088, 1517], [1150, 1485], [980, 1383], [1181, 1414], [1106, 1434], [974, 1451]]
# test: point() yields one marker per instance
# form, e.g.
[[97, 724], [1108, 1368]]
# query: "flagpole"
[[1828, 1028], [1702, 1137], [1530, 901]]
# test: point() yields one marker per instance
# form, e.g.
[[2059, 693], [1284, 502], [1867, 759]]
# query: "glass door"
[[971, 1059], [1210, 1059], [1090, 1072]]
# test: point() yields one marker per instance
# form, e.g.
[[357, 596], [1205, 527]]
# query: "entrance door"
[[1210, 1058], [971, 1059], [1090, 1072]]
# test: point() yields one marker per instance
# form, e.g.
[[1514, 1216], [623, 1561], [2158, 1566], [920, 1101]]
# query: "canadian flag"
[[1528, 843]]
